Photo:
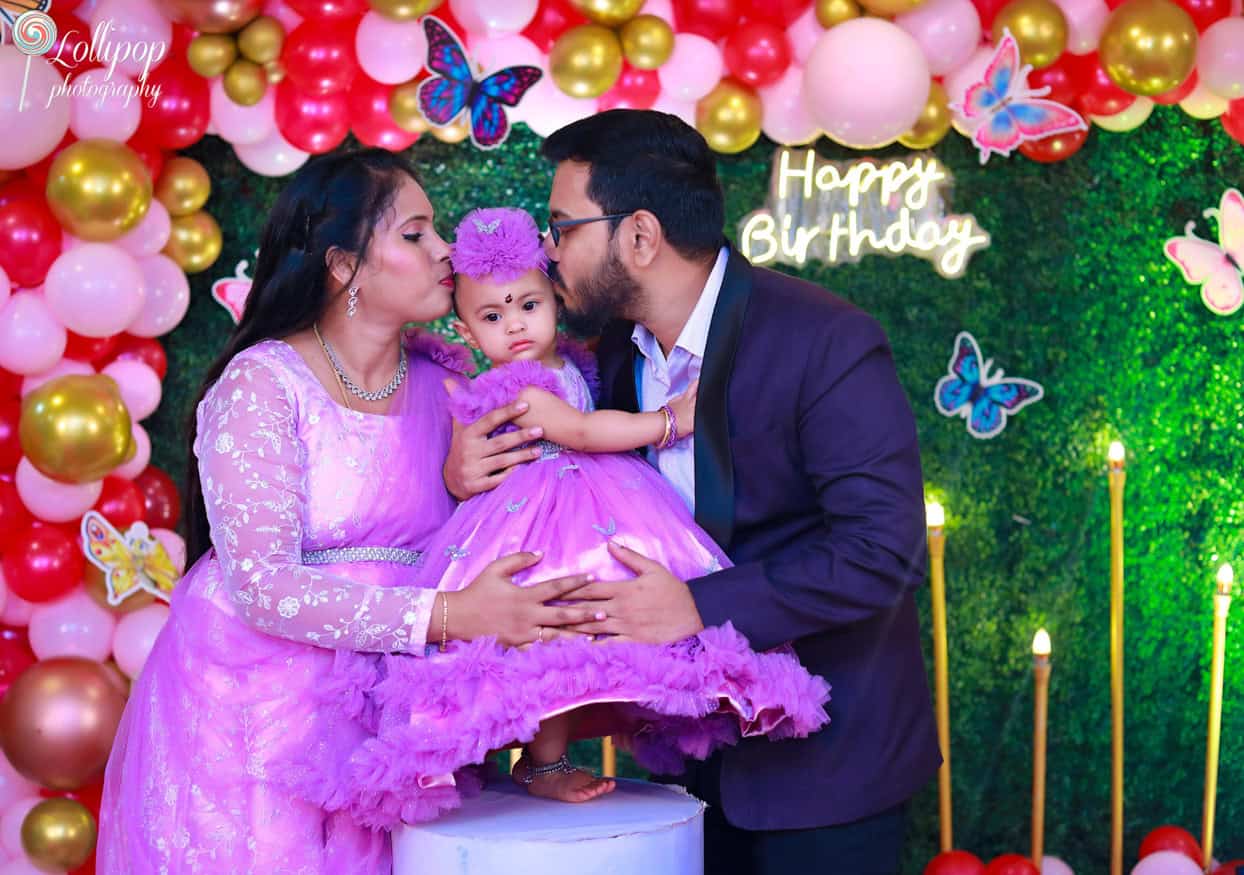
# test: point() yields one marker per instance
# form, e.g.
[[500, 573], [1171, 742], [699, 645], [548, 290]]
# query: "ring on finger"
[[540, 637]]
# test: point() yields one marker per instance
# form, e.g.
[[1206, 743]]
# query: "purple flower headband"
[[499, 242]]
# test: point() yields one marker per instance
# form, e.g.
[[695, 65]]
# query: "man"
[[803, 466]]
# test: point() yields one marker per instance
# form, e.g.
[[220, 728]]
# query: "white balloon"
[[271, 156], [1130, 119], [1202, 103]]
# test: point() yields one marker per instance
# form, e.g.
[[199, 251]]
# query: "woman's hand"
[[477, 462], [684, 409], [516, 615]]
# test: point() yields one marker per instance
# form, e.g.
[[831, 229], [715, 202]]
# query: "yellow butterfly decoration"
[[133, 562]]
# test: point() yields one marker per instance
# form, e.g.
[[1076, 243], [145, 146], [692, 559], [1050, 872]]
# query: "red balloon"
[[43, 564], [90, 795], [780, 12], [37, 173], [10, 442], [1233, 120], [15, 655], [709, 18], [10, 384], [757, 53], [147, 350], [1011, 864], [71, 51], [553, 18], [14, 518], [1178, 93], [1102, 96], [988, 10], [635, 89], [1049, 150], [180, 115], [955, 863], [1205, 12], [183, 34], [319, 56], [160, 498], [1171, 838], [371, 121], [1232, 867], [337, 9], [151, 155], [89, 349], [30, 236], [121, 502], [311, 123], [1067, 78]]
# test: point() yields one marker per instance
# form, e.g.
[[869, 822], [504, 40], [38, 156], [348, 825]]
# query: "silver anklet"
[[562, 765]]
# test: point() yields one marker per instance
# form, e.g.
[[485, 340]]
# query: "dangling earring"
[[352, 301]]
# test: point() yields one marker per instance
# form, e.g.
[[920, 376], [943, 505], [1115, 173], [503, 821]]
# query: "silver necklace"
[[380, 394]]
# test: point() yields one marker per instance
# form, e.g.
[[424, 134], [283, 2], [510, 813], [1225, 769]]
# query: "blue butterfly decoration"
[[443, 97], [983, 399]]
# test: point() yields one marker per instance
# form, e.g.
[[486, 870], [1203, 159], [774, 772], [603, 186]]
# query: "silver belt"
[[361, 554]]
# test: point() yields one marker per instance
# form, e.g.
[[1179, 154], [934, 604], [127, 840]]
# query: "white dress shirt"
[[661, 379]]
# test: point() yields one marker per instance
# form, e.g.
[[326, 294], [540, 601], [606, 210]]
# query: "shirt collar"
[[694, 335]]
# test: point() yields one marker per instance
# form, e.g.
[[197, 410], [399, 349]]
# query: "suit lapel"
[[615, 344]]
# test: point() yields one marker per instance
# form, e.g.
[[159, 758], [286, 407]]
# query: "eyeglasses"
[[556, 228]]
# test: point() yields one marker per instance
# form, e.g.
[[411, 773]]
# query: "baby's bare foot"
[[572, 786]]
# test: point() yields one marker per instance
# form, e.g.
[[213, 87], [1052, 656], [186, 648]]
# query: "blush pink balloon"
[[786, 119], [390, 51], [948, 31], [1054, 866], [107, 106], [11, 825], [866, 82], [13, 786], [175, 545], [95, 290], [663, 9], [547, 108], [1085, 21], [803, 35], [166, 297], [271, 156], [62, 368], [135, 635], [150, 235], [31, 338], [141, 35], [5, 287], [74, 625], [1167, 863], [958, 81], [51, 500], [142, 455], [684, 109], [1220, 58], [23, 866], [694, 68], [509, 50], [283, 13], [494, 17], [41, 121], [239, 124], [139, 384], [17, 610]]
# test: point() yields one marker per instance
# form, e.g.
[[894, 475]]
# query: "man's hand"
[[477, 463], [654, 608]]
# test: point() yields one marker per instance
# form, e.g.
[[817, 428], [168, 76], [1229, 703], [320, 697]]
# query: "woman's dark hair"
[[332, 201], [640, 159]]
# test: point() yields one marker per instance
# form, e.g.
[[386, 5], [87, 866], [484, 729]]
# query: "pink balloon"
[[493, 17], [107, 106], [803, 35], [11, 825], [684, 109], [62, 368], [510, 50], [41, 121], [948, 31], [390, 51], [16, 610], [786, 119], [150, 234], [31, 338], [5, 287], [1085, 20], [50, 499], [142, 455], [74, 625], [13, 786], [139, 384], [271, 156], [958, 81], [547, 107], [136, 634], [663, 9], [693, 69], [141, 35], [23, 866], [174, 544], [96, 289], [872, 51], [283, 13], [1054, 866], [1220, 58], [166, 298], [239, 124], [1167, 863]]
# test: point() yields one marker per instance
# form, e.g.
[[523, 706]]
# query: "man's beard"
[[608, 294]]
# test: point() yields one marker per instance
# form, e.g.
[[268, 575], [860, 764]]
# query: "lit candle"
[[935, 517], [1040, 710], [1222, 604], [1116, 457]]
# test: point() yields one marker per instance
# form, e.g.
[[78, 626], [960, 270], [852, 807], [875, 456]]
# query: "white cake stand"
[[638, 829]]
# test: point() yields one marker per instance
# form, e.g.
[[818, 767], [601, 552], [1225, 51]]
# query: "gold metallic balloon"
[[887, 8], [454, 132], [404, 107], [610, 13], [1148, 47], [98, 189], [831, 12], [275, 71], [76, 428], [934, 121], [211, 16], [647, 41], [729, 117], [1039, 27], [261, 40], [210, 54], [184, 186], [59, 834], [58, 720], [586, 60], [245, 82], [194, 242], [404, 10]]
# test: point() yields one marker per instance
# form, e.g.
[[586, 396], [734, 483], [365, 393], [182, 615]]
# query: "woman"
[[317, 495]]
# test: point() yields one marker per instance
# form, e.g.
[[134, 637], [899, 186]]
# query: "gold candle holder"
[[608, 757], [1117, 477], [936, 520], [1040, 714], [1222, 604]]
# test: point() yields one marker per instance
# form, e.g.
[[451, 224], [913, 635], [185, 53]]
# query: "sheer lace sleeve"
[[252, 468]]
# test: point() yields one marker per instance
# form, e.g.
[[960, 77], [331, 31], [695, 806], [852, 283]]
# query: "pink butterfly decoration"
[[1215, 267], [1002, 111], [231, 292]]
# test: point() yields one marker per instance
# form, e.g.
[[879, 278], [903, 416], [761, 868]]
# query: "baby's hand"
[[684, 409]]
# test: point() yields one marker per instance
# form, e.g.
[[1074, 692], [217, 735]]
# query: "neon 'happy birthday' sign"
[[842, 211]]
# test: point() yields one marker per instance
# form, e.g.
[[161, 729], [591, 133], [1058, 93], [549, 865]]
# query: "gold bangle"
[[665, 436], [444, 620]]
